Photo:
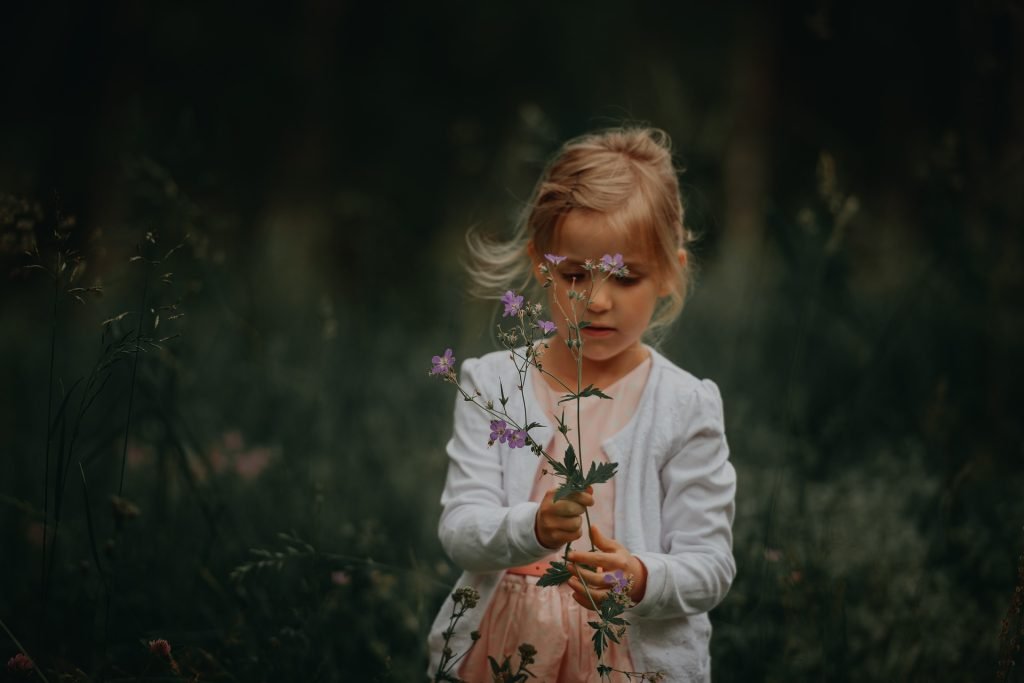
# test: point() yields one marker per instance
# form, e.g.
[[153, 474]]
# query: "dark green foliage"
[[869, 362]]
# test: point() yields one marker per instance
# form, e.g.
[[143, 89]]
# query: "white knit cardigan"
[[674, 506]]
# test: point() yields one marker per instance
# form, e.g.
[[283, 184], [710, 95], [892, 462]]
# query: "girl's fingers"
[[598, 559], [602, 541], [584, 499], [581, 596], [567, 508], [595, 579]]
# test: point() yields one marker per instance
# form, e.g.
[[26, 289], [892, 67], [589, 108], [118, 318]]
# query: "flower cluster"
[[160, 647], [19, 662], [466, 596], [502, 433], [621, 587]]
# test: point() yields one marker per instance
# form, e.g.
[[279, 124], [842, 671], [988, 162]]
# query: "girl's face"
[[620, 309]]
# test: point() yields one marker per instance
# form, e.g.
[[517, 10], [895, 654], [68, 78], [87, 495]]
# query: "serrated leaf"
[[559, 468], [557, 574], [567, 488], [599, 644], [591, 390], [570, 458], [600, 473]]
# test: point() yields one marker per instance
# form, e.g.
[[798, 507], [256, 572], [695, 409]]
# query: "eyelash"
[[580, 277]]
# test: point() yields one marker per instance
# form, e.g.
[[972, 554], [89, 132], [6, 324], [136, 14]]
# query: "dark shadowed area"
[[230, 243]]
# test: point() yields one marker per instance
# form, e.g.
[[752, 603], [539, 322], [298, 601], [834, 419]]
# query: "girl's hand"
[[559, 523], [609, 557]]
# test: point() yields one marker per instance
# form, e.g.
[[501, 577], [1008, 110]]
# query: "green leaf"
[[594, 391], [599, 473], [610, 609], [599, 640], [569, 487], [570, 459], [559, 468], [504, 398], [590, 390], [557, 574]]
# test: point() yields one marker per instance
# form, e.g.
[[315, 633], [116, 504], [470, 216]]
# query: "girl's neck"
[[559, 361]]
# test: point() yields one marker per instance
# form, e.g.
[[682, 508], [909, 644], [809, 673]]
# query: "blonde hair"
[[625, 174]]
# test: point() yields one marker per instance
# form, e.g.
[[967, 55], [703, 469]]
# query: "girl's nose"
[[600, 300]]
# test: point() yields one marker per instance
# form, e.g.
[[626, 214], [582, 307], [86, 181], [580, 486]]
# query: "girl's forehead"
[[585, 235]]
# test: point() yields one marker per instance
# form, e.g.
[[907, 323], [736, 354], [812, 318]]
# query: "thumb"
[[601, 541]]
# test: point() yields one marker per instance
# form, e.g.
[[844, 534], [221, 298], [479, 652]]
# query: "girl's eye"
[[627, 281]]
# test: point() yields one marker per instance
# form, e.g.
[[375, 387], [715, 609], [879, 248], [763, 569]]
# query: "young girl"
[[665, 520]]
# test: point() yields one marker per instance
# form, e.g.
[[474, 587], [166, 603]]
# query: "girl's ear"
[[666, 285]]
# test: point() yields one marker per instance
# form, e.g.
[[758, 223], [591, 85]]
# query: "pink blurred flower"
[[34, 534], [19, 662], [138, 455], [251, 463], [218, 463], [160, 648], [233, 440], [772, 555], [340, 578]]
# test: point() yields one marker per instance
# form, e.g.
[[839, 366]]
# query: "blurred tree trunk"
[[746, 173]]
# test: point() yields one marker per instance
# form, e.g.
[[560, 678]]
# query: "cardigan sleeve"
[[699, 488], [479, 529]]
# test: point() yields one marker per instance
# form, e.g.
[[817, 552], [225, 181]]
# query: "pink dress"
[[549, 618]]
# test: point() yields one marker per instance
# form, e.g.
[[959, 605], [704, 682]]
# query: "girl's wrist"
[[639, 572]]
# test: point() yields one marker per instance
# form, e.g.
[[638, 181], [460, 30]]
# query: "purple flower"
[[554, 259], [546, 326], [620, 583], [612, 264], [443, 364], [517, 438], [513, 303], [499, 431]]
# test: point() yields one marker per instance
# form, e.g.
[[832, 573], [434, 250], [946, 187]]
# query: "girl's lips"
[[597, 331]]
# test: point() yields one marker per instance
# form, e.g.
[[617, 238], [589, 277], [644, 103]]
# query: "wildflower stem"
[[501, 416], [44, 581], [131, 386]]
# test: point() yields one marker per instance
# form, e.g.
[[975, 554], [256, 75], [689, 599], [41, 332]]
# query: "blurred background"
[[230, 242]]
